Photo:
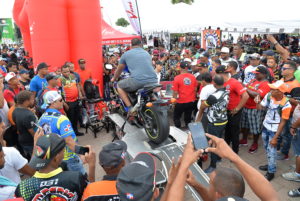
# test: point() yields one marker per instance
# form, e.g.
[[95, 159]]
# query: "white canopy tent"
[[260, 16]]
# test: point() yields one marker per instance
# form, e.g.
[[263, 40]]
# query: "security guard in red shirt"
[[184, 90]]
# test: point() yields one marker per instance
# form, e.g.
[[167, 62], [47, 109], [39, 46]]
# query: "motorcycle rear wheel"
[[156, 126]]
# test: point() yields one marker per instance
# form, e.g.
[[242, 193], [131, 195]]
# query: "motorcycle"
[[152, 111]]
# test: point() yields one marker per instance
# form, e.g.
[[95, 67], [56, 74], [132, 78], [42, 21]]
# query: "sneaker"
[[282, 156], [243, 142], [263, 167], [253, 148], [269, 176], [209, 170], [294, 193], [291, 176]]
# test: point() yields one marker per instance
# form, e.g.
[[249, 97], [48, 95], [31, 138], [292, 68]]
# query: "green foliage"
[[182, 1], [122, 22]]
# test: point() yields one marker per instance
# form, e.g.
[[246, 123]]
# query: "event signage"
[[211, 38], [132, 13]]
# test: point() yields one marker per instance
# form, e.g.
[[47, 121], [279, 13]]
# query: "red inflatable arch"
[[56, 31]]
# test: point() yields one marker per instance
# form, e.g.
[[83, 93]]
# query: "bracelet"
[[276, 43]]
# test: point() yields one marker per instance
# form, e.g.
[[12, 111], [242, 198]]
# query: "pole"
[[137, 8]]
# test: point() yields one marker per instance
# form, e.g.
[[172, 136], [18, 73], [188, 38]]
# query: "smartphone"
[[83, 150], [198, 135], [36, 125]]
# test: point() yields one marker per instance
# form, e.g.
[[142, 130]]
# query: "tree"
[[122, 22], [182, 1]]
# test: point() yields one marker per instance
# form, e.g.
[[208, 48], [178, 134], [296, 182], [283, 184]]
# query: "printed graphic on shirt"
[[187, 81], [55, 193]]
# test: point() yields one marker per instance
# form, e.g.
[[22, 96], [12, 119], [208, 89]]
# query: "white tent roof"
[[235, 15]]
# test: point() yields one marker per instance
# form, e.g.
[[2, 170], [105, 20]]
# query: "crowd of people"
[[228, 90]]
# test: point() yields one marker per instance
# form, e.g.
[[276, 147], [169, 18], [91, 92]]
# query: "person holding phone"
[[216, 114], [47, 158], [52, 121]]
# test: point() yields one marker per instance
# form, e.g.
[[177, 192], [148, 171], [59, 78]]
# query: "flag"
[[132, 13]]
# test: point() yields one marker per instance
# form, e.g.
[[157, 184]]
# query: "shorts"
[[130, 85], [75, 164], [296, 143], [252, 119]]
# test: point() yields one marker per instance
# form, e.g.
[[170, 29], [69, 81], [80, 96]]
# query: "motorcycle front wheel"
[[156, 125]]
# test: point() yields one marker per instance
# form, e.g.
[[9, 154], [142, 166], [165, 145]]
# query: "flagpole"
[[137, 8]]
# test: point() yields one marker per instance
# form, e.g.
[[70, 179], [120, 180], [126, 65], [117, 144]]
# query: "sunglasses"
[[285, 68]]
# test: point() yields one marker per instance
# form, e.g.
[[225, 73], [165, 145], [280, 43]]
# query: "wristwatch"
[[276, 43]]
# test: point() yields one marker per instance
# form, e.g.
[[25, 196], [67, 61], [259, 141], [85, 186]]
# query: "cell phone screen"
[[83, 150], [198, 135]]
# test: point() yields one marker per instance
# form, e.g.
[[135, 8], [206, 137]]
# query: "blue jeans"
[[286, 138], [75, 164], [267, 136], [296, 143]]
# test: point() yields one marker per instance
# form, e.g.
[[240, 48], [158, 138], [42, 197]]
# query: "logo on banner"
[[211, 38], [131, 11]]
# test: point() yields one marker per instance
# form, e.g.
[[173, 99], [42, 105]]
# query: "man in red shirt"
[[184, 90], [237, 99], [251, 121], [12, 89], [84, 73]]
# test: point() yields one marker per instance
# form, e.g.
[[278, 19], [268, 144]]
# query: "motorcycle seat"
[[149, 87]]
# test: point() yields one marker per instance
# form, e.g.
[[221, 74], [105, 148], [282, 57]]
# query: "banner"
[[7, 29], [132, 13], [211, 38]]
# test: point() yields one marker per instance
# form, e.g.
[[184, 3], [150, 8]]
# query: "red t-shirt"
[[84, 75], [260, 87], [236, 89], [185, 84], [9, 95]]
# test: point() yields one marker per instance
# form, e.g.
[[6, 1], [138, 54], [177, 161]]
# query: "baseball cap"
[[51, 76], [269, 52], [261, 69], [136, 181], [295, 59], [50, 97], [46, 148], [41, 66], [204, 54], [225, 50], [188, 60], [155, 52], [9, 76], [158, 63], [232, 198], [113, 154], [254, 56], [24, 71], [202, 64], [194, 63], [184, 64], [278, 85], [221, 69]]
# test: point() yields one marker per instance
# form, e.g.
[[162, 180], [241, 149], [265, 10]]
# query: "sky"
[[160, 15]]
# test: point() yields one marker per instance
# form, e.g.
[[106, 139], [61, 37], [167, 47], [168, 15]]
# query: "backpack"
[[91, 89], [279, 108]]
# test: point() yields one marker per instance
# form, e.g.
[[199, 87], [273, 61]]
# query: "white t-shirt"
[[205, 92], [249, 75], [3, 114], [158, 74], [14, 161], [273, 118], [7, 192]]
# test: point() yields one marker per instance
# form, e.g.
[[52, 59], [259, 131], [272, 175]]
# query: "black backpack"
[[91, 89]]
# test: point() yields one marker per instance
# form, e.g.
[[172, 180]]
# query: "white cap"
[[188, 60], [255, 56], [51, 97], [9, 76], [194, 63], [225, 50]]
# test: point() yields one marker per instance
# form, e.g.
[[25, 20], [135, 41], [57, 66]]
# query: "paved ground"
[[281, 186]]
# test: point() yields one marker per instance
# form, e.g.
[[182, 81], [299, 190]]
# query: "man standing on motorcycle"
[[141, 71]]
